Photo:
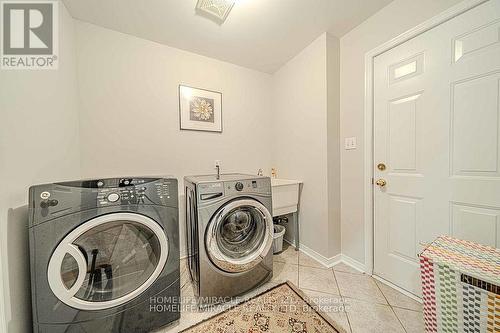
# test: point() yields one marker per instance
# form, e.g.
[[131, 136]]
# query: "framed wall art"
[[200, 109]]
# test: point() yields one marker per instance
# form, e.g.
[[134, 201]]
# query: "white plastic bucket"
[[279, 232]]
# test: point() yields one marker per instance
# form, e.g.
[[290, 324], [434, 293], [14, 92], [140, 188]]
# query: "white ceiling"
[[259, 34]]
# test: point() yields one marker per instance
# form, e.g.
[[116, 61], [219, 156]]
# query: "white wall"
[[301, 114], [128, 125], [129, 113], [129, 120], [394, 19], [333, 144], [38, 143]]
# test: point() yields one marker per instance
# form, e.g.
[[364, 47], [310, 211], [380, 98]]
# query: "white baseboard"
[[353, 263], [327, 262], [393, 286], [330, 262]]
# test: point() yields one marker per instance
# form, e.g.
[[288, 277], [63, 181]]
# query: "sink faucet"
[[260, 172], [217, 167]]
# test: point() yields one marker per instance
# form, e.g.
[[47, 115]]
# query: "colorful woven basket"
[[460, 286]]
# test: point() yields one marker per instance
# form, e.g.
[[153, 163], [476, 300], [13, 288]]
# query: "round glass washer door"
[[107, 261], [239, 235]]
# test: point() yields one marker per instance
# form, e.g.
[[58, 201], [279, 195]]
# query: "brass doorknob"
[[381, 182]]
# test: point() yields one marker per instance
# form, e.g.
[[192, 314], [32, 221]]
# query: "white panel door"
[[437, 130]]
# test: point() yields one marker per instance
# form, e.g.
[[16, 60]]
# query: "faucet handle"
[[217, 167]]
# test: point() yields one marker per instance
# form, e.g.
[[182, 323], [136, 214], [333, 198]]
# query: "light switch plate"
[[350, 143]]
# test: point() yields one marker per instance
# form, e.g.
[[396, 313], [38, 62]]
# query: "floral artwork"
[[200, 109]]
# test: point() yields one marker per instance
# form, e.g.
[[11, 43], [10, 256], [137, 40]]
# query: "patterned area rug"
[[281, 309]]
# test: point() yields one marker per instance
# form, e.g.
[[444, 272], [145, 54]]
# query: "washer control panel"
[[214, 190], [239, 186], [259, 185]]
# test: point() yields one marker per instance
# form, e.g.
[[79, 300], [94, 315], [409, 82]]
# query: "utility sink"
[[285, 196]]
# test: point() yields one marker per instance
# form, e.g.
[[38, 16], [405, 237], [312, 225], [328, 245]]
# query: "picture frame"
[[200, 109]]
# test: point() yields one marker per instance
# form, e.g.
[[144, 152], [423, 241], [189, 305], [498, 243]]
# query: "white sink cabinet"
[[286, 196]]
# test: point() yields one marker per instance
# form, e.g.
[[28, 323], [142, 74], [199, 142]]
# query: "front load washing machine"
[[104, 255], [229, 234]]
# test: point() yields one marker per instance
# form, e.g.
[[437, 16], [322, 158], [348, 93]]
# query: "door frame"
[[437, 20], [3, 319]]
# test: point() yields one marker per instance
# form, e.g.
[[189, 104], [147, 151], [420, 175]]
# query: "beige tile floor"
[[356, 301]]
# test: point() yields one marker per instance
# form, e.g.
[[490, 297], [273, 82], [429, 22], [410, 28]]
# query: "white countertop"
[[283, 182]]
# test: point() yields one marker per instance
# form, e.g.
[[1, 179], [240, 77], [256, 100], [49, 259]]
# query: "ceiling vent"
[[217, 10]]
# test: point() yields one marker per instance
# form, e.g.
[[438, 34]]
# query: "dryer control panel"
[[134, 191], [52, 200]]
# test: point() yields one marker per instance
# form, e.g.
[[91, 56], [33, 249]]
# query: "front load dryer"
[[229, 233], [104, 255]]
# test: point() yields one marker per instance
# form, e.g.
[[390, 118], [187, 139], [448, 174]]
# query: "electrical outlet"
[[350, 143]]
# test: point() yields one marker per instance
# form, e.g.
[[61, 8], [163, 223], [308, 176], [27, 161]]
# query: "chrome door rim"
[[232, 265], [66, 295]]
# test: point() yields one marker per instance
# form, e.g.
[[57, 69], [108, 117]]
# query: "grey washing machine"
[[229, 234], [104, 255]]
